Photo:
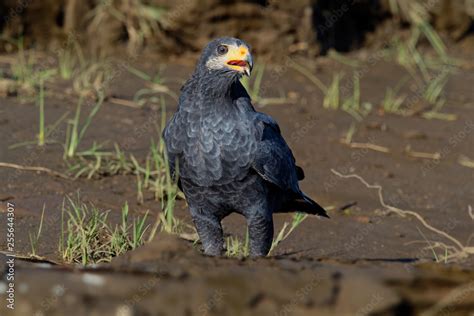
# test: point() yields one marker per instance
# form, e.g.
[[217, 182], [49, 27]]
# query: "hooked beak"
[[240, 59], [248, 69]]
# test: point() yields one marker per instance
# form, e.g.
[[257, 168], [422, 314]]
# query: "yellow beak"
[[239, 59]]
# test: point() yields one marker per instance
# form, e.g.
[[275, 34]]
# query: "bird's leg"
[[260, 228], [209, 229]]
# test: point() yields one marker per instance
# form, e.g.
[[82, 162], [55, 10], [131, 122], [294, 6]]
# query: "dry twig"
[[370, 146], [466, 162], [458, 251], [124, 102], [422, 155], [31, 168]]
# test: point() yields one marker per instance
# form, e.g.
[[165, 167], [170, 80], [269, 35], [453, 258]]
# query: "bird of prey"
[[229, 157]]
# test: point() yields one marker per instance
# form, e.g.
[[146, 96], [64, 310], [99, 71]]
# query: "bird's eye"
[[222, 49]]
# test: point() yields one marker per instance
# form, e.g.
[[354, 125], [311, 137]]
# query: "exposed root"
[[37, 169], [455, 251]]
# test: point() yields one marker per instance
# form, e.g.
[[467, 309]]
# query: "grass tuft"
[[392, 102], [254, 88], [288, 229], [238, 248], [155, 90], [41, 134], [26, 72], [138, 18], [34, 238], [91, 79], [89, 238], [75, 132], [332, 96], [235, 248]]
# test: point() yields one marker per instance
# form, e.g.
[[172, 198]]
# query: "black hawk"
[[231, 158]]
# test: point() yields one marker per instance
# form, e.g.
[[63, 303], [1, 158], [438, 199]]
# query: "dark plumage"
[[231, 158]]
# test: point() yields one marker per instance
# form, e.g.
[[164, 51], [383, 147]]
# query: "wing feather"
[[274, 160]]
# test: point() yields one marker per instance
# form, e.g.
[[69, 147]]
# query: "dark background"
[[310, 27]]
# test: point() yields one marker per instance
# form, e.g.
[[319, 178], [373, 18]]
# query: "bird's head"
[[227, 55]]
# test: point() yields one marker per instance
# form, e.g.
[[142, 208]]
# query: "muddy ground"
[[364, 260]]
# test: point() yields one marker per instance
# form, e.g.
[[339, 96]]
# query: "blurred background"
[[275, 28]]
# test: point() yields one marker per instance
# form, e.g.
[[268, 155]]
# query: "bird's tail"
[[305, 204]]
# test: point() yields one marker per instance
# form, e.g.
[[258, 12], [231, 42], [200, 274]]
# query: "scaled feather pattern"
[[230, 157]]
